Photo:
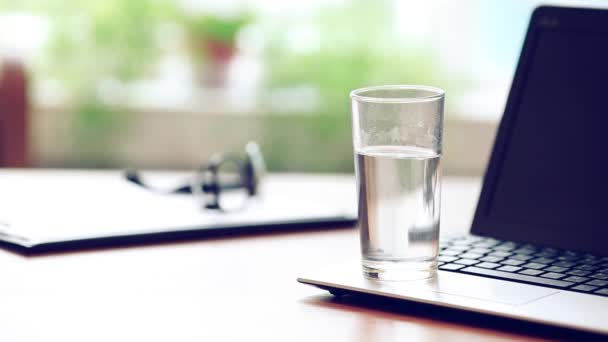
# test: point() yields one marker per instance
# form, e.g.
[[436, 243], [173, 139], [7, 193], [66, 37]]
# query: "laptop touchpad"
[[454, 287]]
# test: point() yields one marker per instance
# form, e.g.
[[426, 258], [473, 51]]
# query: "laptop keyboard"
[[525, 263]]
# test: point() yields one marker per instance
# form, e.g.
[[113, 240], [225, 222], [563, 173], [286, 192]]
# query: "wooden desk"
[[228, 289]]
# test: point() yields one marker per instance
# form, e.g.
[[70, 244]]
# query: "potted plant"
[[213, 44]]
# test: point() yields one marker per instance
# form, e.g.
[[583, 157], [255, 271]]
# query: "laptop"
[[538, 248]]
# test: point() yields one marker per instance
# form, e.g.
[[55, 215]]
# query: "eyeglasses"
[[224, 183]]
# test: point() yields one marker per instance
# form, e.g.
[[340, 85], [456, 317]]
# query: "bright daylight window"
[[162, 83]]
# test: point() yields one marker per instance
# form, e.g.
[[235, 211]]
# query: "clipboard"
[[45, 211]]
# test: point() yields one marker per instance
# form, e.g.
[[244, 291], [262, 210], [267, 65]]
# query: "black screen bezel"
[[543, 18]]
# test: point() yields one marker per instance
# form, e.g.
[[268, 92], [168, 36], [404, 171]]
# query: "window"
[[164, 83]]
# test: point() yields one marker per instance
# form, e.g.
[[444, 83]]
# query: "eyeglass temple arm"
[[133, 176]]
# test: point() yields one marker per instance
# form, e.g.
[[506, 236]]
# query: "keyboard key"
[[596, 282], [555, 269], [590, 261], [480, 250], [586, 267], [462, 242], [584, 288], [509, 268], [500, 254], [564, 264], [512, 262], [504, 247], [535, 266], [509, 244], [470, 256], [530, 272], [451, 267], [521, 257], [542, 260], [491, 258], [446, 258], [525, 251], [566, 258], [467, 238], [602, 292], [545, 255], [516, 276], [459, 247], [451, 252], [602, 276], [483, 245], [579, 273], [488, 265], [553, 275], [576, 279], [467, 262], [487, 243], [439, 263]]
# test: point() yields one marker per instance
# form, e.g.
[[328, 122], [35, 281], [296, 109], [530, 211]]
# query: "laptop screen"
[[549, 176]]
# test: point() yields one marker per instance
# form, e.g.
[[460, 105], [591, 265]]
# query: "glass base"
[[401, 270]]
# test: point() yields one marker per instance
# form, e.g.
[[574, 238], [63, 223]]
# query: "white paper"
[[56, 205]]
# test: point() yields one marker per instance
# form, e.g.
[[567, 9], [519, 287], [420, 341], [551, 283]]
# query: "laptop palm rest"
[[446, 287]]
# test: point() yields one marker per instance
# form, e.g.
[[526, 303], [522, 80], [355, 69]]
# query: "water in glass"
[[399, 196]]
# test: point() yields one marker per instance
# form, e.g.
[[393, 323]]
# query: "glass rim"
[[438, 93]]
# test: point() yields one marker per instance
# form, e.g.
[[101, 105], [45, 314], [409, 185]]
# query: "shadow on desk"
[[430, 314]]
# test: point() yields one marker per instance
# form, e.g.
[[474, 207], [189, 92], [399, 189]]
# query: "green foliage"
[[94, 130], [356, 45], [203, 28], [90, 41], [344, 46], [222, 29]]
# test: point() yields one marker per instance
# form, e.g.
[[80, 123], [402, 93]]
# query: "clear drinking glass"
[[397, 134]]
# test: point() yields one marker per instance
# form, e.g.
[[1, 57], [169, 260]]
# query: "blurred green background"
[[102, 72]]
